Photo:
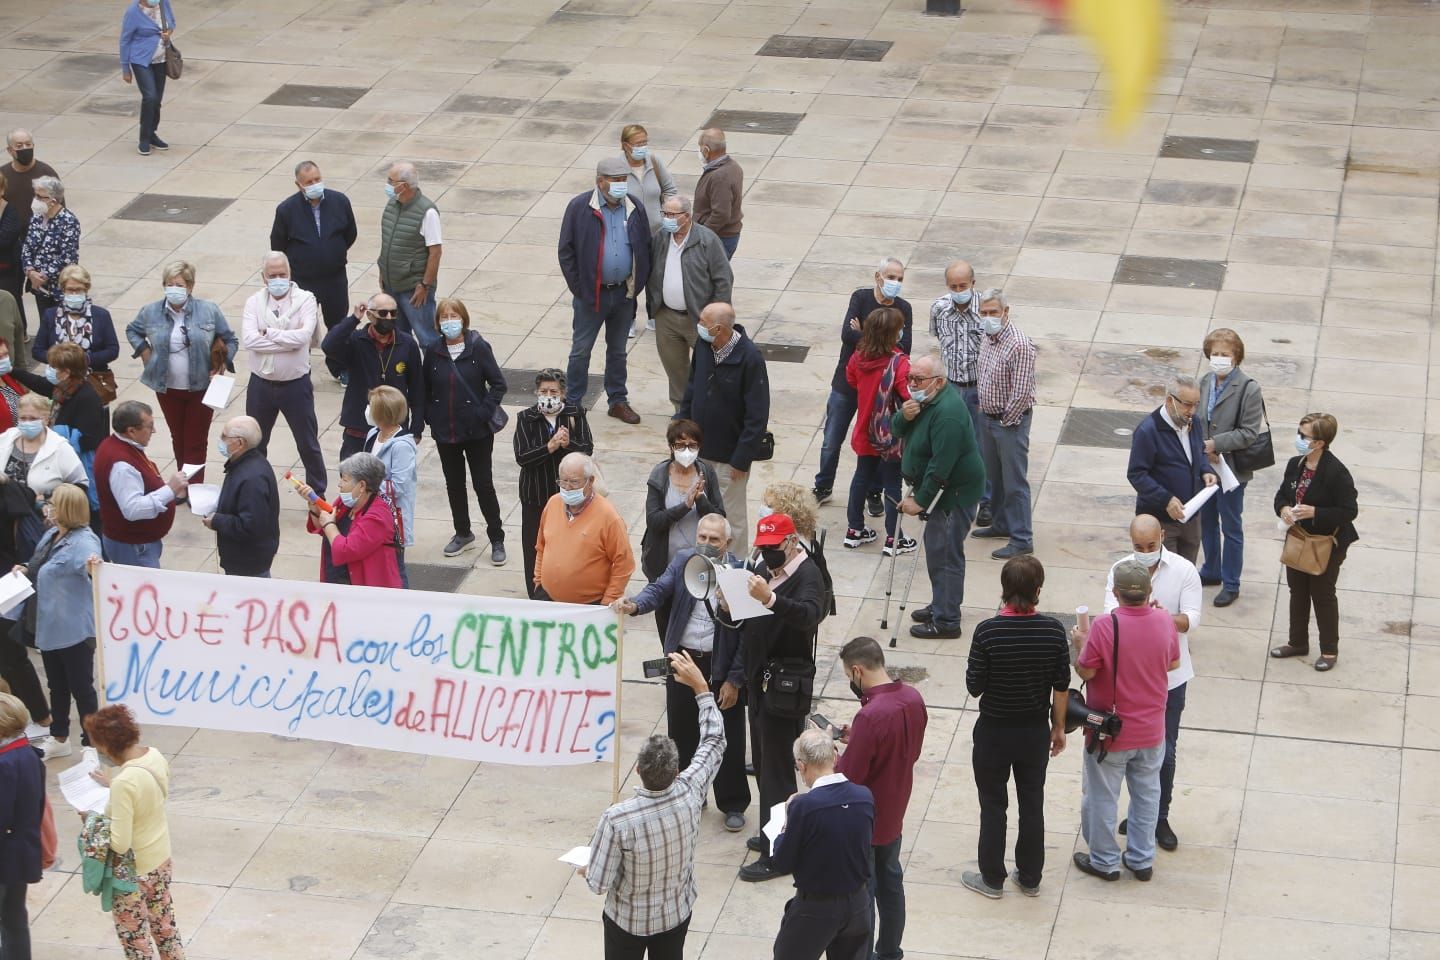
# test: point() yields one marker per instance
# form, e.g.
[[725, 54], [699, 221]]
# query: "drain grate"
[[824, 48], [1209, 148], [307, 95], [1100, 428], [436, 577], [1168, 272], [783, 352], [165, 208], [755, 121]]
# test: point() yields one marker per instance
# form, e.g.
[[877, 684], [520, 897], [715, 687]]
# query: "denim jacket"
[[62, 619], [152, 327]]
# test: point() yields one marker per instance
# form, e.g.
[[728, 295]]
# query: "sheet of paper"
[[15, 588], [1198, 501], [734, 583], [190, 469], [204, 498], [217, 395], [81, 792], [1227, 476], [775, 826], [577, 856]]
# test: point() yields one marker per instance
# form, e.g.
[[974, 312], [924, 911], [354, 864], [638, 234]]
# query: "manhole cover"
[[1099, 428], [1209, 148], [1169, 272], [167, 208]]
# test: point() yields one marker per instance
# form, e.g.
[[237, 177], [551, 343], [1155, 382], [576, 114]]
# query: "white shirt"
[[430, 227], [179, 378], [1184, 432], [673, 289], [699, 630], [279, 333], [455, 349], [128, 489], [828, 779], [1175, 585], [156, 14]]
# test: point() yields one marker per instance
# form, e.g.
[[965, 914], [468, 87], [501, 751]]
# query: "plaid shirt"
[[958, 331], [722, 352], [1007, 375], [643, 851]]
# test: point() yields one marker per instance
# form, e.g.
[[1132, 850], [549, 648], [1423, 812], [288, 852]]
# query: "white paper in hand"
[[204, 498], [217, 395], [1228, 480], [735, 585], [82, 792], [1198, 501], [15, 589], [775, 825], [190, 469], [577, 856]]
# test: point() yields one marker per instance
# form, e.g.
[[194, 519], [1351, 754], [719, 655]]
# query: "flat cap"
[[613, 167]]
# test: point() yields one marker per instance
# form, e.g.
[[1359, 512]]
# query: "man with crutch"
[[941, 464]]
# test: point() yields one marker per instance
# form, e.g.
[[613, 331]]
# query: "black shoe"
[[759, 872], [983, 516], [1209, 581], [922, 614], [1010, 550], [749, 769], [1165, 837], [821, 494], [1082, 862], [875, 505], [157, 143], [1143, 874], [988, 532], [1226, 597], [756, 843], [929, 631]]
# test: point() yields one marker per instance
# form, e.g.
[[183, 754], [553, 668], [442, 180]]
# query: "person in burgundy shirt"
[[882, 745], [1135, 687]]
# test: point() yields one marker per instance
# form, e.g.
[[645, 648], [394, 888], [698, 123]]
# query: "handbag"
[[103, 382], [174, 62], [765, 449], [1307, 552], [499, 418], [1261, 453], [788, 684]]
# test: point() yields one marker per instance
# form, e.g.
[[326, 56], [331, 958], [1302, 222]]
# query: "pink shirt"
[[1148, 645]]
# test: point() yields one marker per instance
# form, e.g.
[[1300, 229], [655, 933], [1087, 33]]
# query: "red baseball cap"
[[773, 529]]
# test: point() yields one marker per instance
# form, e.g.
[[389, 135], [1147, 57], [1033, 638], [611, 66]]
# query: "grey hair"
[[53, 184], [886, 261], [304, 165], [550, 375], [273, 256], [686, 204], [405, 172], [658, 762], [14, 135], [961, 263], [815, 748], [366, 468], [247, 429], [1183, 382], [590, 468], [128, 415], [992, 293], [713, 141], [721, 518], [937, 361]]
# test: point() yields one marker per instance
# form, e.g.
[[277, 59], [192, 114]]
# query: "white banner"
[[452, 675]]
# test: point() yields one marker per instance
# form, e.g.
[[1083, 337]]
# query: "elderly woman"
[[80, 322], [394, 446], [36, 456], [14, 384], [75, 406], [12, 234], [796, 502], [361, 534], [544, 434], [182, 343], [22, 810], [144, 30], [682, 488], [649, 182], [52, 243], [138, 790], [1318, 495], [1232, 414]]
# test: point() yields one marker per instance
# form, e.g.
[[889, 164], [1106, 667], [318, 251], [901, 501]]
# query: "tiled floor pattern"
[[1283, 182]]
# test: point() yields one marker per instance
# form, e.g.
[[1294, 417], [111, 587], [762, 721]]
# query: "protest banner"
[[476, 678]]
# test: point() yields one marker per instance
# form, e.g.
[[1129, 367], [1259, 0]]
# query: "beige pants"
[[675, 337], [733, 493]]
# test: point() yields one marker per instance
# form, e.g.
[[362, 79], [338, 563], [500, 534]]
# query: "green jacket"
[[940, 450], [403, 253]]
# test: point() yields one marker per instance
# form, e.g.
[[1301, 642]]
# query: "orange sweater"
[[588, 558]]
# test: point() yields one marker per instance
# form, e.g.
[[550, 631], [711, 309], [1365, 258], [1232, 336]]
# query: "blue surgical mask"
[[763, 512], [5, 366], [618, 190], [52, 374], [176, 296], [704, 334], [347, 498], [451, 329], [961, 297], [573, 498], [919, 396], [1302, 442], [278, 286], [890, 288], [75, 302], [315, 191], [991, 326], [390, 191], [222, 448], [669, 225], [30, 429], [640, 153]]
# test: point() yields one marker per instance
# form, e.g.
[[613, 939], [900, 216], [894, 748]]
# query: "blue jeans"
[[972, 403], [887, 889], [839, 411], [1100, 782], [872, 472], [1221, 515], [418, 321], [150, 81], [1174, 706], [616, 313], [1006, 452], [132, 554], [945, 534], [730, 244]]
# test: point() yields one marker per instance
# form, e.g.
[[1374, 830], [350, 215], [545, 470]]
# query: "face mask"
[[774, 558], [919, 396], [451, 329], [52, 374], [38, 207], [278, 287], [176, 296], [1302, 443], [551, 405], [1221, 365], [370, 417], [669, 225], [573, 498], [703, 161], [890, 289], [617, 191], [30, 429], [26, 156], [384, 327], [5, 366], [764, 511], [991, 325], [856, 689], [962, 297], [75, 302], [686, 457], [222, 448], [316, 191], [347, 498], [640, 153], [390, 191], [704, 334], [709, 551], [1148, 559], [1181, 420]]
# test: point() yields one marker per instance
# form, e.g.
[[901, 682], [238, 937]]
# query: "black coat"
[[22, 805], [790, 632], [247, 521], [83, 410], [729, 400], [461, 395], [655, 545], [1331, 493], [353, 349], [314, 256], [539, 468]]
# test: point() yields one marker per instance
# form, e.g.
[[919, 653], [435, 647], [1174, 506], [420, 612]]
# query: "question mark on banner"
[[603, 743]]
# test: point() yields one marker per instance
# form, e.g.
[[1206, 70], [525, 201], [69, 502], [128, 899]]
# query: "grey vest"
[[402, 248]]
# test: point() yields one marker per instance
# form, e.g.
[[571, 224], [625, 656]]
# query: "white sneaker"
[[55, 749]]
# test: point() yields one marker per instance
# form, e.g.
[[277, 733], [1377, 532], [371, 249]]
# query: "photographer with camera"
[[1125, 664], [715, 649]]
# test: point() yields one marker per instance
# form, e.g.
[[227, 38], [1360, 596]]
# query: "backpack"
[[882, 410], [817, 554]]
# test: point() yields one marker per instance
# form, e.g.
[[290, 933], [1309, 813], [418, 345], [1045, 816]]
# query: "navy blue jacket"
[[730, 400], [726, 662], [826, 841], [314, 256], [247, 520], [22, 805], [461, 395], [104, 344], [1158, 467], [353, 349], [582, 238], [863, 303]]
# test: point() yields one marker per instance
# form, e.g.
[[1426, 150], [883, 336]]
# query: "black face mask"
[[856, 689], [383, 327], [774, 559], [25, 157]]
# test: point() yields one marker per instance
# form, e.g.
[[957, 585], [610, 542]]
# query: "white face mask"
[[550, 405], [686, 457], [1221, 365], [1148, 559], [38, 207], [369, 417]]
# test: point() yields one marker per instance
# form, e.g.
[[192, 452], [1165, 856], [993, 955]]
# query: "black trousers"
[[71, 674], [669, 945], [529, 531], [1308, 590], [1000, 750], [838, 927], [732, 788], [477, 453], [14, 922], [333, 295], [773, 753], [267, 400], [17, 670]]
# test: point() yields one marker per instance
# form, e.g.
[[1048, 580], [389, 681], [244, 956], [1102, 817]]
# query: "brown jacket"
[[717, 198]]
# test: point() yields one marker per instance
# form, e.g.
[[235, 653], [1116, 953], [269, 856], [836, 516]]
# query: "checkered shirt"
[[958, 330], [1007, 375]]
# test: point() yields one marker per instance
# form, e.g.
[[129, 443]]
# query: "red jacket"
[[885, 741], [366, 550], [864, 373]]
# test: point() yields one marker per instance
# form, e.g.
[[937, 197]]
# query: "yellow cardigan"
[[137, 810]]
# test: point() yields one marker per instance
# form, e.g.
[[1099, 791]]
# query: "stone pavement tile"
[[1318, 826], [211, 786], [289, 928], [1296, 887], [442, 875], [1286, 766], [74, 919], [939, 919], [351, 865], [438, 933], [214, 850], [1256, 938], [1422, 722], [1409, 945], [1418, 839], [1412, 906]]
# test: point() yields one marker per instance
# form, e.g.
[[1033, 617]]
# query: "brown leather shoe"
[[623, 411]]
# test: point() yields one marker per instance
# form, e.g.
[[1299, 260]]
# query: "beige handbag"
[[1307, 552]]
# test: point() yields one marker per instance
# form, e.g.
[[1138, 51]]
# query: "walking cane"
[[915, 565], [894, 559]]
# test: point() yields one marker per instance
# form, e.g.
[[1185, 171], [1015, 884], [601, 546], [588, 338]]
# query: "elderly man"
[[315, 228], [826, 845], [137, 506], [582, 553], [840, 408], [367, 344], [729, 397], [1168, 466], [410, 248], [941, 463], [955, 324], [247, 520], [19, 176], [689, 271], [642, 854], [278, 330], [715, 650], [1007, 393], [717, 195], [605, 257]]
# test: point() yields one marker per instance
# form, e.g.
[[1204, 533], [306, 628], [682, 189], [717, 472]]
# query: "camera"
[[659, 667]]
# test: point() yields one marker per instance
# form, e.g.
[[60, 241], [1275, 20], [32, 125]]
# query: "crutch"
[[894, 559], [915, 565]]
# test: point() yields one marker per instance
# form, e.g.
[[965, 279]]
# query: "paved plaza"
[[1283, 182]]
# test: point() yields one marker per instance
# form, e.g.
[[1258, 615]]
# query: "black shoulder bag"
[[1261, 453], [788, 683]]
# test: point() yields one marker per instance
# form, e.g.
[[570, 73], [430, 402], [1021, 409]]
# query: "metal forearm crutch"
[[894, 559], [915, 565]]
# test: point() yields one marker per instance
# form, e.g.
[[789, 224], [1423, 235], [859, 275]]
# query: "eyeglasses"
[[685, 446], [913, 379], [1184, 405], [571, 484], [384, 314]]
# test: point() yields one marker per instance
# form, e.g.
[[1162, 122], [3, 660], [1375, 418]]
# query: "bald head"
[[383, 301], [246, 429], [1146, 535], [712, 143], [960, 279]]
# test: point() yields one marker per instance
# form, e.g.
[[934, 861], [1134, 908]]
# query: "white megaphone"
[[700, 577]]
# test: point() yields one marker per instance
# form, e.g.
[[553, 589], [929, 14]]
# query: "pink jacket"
[[366, 550], [864, 373]]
